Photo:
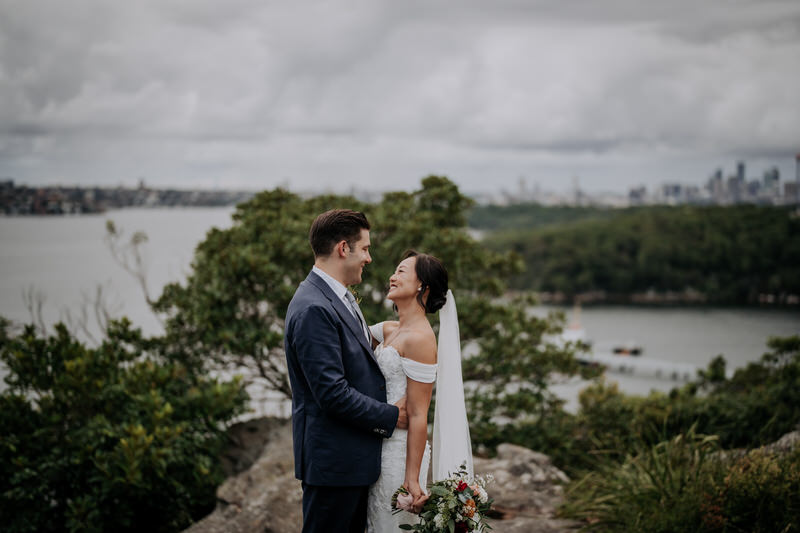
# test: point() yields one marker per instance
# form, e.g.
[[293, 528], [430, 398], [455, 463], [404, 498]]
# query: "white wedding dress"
[[396, 369]]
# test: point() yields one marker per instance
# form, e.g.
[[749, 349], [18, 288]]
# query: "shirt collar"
[[337, 288]]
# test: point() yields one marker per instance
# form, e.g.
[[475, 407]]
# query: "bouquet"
[[456, 505]]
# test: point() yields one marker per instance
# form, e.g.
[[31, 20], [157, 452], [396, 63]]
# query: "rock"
[[265, 498], [247, 441], [785, 444], [527, 524], [262, 495], [527, 490]]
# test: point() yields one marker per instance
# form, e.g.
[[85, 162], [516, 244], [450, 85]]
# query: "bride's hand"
[[402, 417], [419, 496]]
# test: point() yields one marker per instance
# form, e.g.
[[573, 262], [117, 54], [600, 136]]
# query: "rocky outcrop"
[[527, 490], [785, 444], [263, 496]]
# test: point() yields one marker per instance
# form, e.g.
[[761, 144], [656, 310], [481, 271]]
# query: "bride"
[[409, 359]]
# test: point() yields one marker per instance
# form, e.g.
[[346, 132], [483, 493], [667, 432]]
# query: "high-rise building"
[[798, 168], [772, 178], [734, 189], [796, 196], [716, 186], [740, 171]]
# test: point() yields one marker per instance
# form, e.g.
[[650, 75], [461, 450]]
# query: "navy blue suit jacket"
[[339, 410]]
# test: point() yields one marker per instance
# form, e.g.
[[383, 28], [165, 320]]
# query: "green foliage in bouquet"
[[120, 437], [458, 504]]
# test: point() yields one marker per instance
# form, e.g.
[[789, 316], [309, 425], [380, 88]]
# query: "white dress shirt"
[[338, 289]]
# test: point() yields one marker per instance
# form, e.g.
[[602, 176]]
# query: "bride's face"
[[404, 282]]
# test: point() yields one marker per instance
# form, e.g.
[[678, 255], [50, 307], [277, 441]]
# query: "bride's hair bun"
[[433, 275]]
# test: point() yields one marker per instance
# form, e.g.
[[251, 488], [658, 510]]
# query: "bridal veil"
[[451, 442]]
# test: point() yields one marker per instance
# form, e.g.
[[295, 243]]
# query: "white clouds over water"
[[249, 93]]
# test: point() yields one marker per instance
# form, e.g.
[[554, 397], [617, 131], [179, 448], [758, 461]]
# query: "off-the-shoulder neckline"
[[401, 356]]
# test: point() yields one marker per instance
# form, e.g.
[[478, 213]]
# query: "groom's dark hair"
[[335, 226]]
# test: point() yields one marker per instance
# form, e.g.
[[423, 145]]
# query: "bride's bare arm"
[[421, 348]]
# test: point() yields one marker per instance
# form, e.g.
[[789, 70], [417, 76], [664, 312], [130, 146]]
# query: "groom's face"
[[356, 258]]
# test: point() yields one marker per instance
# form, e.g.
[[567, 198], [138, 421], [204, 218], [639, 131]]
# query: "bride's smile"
[[403, 284]]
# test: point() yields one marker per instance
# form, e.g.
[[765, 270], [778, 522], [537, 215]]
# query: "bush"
[[759, 492], [113, 438], [650, 491], [685, 484], [757, 405], [643, 466]]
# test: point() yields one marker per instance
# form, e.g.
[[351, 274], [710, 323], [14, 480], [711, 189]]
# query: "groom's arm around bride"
[[339, 409]]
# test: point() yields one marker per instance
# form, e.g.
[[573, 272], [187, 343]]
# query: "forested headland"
[[685, 254]]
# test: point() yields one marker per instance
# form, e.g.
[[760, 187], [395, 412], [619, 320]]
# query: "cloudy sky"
[[376, 94]]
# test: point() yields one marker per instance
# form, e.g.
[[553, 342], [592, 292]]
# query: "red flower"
[[461, 527], [461, 486]]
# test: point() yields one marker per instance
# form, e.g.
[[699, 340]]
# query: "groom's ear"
[[341, 249]]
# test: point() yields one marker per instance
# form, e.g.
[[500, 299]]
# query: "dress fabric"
[[395, 369]]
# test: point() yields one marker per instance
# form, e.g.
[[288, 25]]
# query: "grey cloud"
[[204, 90]]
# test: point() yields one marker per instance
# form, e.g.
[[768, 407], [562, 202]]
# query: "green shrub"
[[757, 405], [113, 438], [685, 484], [650, 491], [759, 493]]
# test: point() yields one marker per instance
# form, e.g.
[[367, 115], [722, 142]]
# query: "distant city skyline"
[[374, 95], [512, 186], [719, 189]]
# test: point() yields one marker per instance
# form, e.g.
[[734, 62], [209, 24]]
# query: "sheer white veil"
[[451, 442]]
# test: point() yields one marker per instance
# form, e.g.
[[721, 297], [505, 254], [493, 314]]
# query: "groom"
[[339, 409]]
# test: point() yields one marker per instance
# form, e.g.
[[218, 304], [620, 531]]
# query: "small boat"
[[628, 348], [574, 332]]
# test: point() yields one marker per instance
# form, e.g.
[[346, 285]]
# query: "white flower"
[[438, 521], [482, 496]]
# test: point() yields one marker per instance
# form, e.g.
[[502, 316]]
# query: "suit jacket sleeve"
[[319, 353]]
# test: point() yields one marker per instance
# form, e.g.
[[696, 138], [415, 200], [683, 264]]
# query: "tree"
[[114, 438], [231, 308], [724, 254]]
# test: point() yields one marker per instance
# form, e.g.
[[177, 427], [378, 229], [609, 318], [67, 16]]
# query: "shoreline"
[[669, 299]]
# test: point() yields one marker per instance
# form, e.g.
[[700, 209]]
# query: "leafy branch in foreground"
[[115, 438]]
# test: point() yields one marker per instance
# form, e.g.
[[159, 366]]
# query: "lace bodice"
[[396, 369]]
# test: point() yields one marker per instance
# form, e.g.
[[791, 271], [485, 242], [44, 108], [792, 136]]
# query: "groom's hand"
[[402, 419]]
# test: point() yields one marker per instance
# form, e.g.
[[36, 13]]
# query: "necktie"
[[357, 312]]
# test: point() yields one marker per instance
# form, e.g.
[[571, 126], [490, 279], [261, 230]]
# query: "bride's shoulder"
[[420, 345], [389, 326]]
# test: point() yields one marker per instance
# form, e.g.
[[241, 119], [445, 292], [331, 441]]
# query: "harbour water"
[[682, 338], [66, 258]]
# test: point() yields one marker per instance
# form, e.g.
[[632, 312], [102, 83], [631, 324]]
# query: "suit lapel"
[[353, 323]]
